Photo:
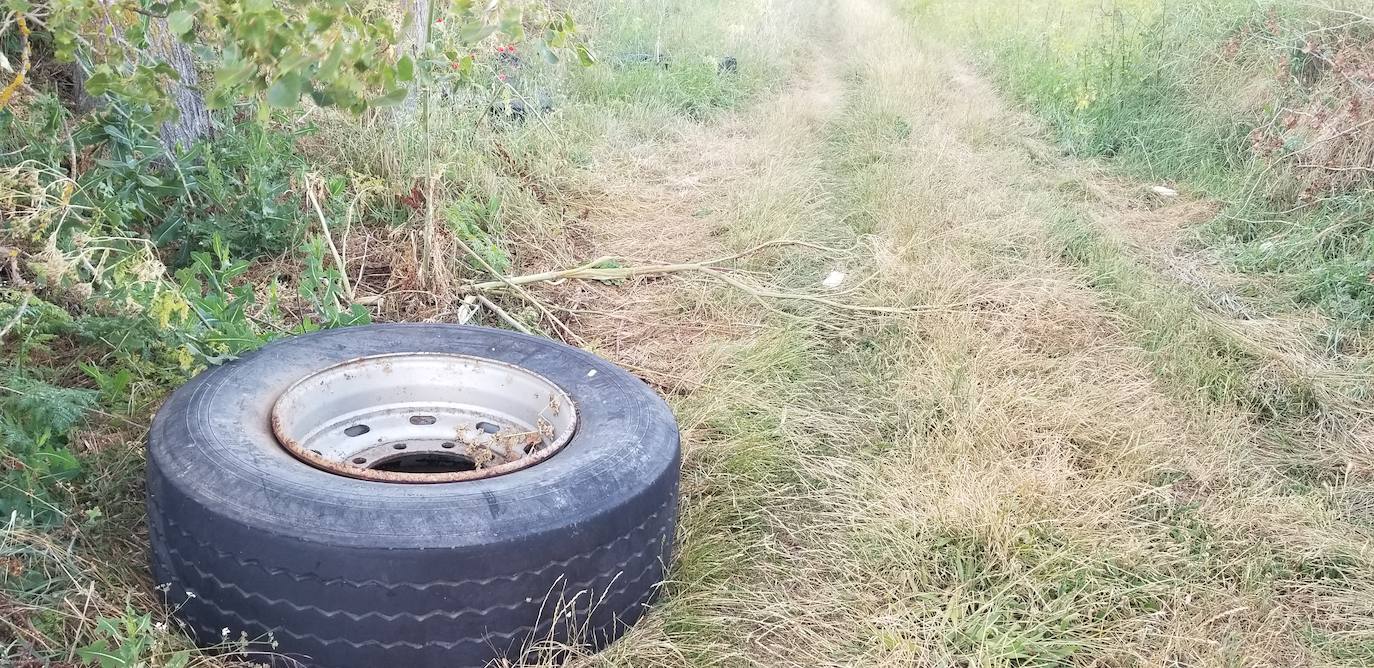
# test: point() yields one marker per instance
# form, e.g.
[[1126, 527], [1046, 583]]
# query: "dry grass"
[[1047, 465], [1323, 136], [1012, 482]]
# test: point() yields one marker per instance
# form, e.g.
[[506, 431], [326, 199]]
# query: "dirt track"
[[1017, 469]]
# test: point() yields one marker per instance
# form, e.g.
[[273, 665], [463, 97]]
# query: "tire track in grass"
[[744, 381], [998, 479], [1193, 548]]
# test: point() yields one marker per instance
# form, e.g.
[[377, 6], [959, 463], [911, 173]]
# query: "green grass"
[[1055, 459], [1142, 81], [85, 361], [1211, 365], [1169, 92], [1180, 93], [1194, 356]]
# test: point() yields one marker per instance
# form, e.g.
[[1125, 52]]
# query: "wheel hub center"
[[423, 418]]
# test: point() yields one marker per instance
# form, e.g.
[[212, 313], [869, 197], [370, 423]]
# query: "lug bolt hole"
[[357, 430], [488, 427], [422, 419], [399, 446], [447, 446], [360, 460]]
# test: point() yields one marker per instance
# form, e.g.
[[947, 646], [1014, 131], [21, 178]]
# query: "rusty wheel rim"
[[423, 418]]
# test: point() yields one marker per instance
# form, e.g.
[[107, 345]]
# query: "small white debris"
[[224, 632], [1164, 192], [591, 373], [833, 280], [467, 311]]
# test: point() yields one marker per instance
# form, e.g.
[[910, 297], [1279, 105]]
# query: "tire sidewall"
[[213, 446]]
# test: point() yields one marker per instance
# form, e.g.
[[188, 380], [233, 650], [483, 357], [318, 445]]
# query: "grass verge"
[[1262, 106], [94, 335]]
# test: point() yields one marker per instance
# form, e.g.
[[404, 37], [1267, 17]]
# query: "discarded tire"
[[516, 109], [411, 495]]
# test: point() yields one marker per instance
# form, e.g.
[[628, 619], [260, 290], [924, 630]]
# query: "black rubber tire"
[[346, 573]]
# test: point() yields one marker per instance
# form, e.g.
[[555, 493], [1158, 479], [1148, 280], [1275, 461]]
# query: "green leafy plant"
[[35, 325], [275, 52], [136, 253], [35, 418], [239, 188], [475, 223], [322, 287], [130, 641]]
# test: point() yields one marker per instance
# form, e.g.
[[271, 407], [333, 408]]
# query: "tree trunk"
[[416, 36], [77, 99], [193, 121]]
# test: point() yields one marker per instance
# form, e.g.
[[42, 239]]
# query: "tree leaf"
[[475, 32], [405, 68], [512, 24], [296, 62], [100, 81], [585, 55], [181, 22], [285, 92], [392, 97]]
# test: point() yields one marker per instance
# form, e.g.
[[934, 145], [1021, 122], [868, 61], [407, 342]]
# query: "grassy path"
[[1054, 458], [1079, 442]]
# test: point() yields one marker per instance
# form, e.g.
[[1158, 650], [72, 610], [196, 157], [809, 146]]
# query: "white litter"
[[467, 310], [1164, 192], [833, 280]]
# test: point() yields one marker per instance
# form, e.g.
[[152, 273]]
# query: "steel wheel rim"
[[423, 418]]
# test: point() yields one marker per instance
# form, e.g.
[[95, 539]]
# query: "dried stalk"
[[24, 51], [525, 294], [18, 313], [329, 239], [595, 271], [502, 314]]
